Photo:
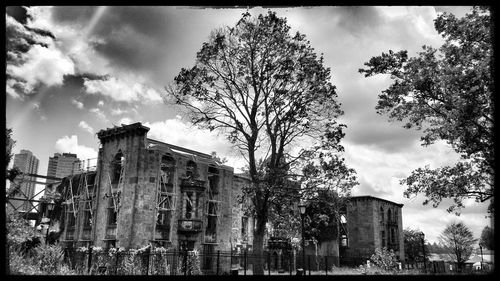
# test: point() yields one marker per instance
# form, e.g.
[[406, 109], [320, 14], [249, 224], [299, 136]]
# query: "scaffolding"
[[13, 194], [165, 195], [114, 193], [212, 206]]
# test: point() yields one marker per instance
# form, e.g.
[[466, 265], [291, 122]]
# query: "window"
[[110, 244], [191, 170], [381, 214], [344, 242], [382, 235], [167, 169], [116, 167], [213, 180], [394, 236], [244, 228], [389, 215], [87, 217], [163, 223], [112, 211], [189, 211]]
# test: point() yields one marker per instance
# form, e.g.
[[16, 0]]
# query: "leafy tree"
[[447, 93], [327, 184], [458, 240], [487, 238], [267, 91], [413, 245], [9, 144]]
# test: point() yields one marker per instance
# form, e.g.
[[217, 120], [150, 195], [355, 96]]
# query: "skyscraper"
[[62, 165], [28, 164]]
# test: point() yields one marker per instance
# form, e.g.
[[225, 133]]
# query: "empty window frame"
[[191, 170], [112, 211], [116, 167]]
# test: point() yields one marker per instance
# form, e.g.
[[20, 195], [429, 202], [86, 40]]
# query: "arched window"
[[191, 169], [389, 215], [167, 169], [116, 167], [213, 180], [381, 214]]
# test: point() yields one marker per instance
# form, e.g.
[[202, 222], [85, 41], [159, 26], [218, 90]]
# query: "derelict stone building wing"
[[145, 191]]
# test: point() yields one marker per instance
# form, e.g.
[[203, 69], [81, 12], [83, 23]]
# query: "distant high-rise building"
[[28, 164], [62, 165]]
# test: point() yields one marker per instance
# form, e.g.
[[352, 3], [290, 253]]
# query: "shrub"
[[385, 259]]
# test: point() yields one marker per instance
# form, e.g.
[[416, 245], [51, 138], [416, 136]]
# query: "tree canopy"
[[448, 94], [413, 245], [267, 91], [458, 240], [487, 238]]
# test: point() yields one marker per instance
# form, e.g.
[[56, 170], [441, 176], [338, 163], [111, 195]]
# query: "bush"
[[385, 259], [46, 260]]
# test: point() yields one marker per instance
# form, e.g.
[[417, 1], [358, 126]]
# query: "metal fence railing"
[[151, 262]]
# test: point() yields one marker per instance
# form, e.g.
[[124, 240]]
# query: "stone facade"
[[373, 223], [149, 192]]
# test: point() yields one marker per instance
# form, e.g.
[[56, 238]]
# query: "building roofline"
[[376, 198], [179, 148]]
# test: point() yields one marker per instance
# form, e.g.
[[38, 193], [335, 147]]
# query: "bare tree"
[[458, 240], [270, 94]]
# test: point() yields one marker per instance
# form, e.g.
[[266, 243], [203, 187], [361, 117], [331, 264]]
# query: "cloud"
[[70, 144], [117, 111], [99, 114], [120, 90], [176, 132], [77, 103], [42, 65], [125, 121], [100, 103], [86, 127]]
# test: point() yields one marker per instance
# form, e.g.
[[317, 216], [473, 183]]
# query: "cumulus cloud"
[[77, 103], [100, 103], [42, 65], [86, 127], [117, 111], [176, 132], [99, 114], [125, 121], [70, 144], [120, 90]]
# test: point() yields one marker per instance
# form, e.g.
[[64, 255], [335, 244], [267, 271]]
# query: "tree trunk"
[[258, 247]]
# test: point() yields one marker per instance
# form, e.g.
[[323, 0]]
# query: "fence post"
[[148, 253], [269, 263], [245, 263], [185, 262], [116, 262], [308, 264], [326, 265], [173, 266], [89, 261], [218, 262]]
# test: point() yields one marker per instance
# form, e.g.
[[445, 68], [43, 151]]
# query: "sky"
[[100, 67]]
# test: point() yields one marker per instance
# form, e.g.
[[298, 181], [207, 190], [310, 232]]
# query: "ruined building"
[[146, 191], [372, 223]]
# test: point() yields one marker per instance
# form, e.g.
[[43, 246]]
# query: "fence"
[[174, 262], [445, 267]]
